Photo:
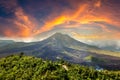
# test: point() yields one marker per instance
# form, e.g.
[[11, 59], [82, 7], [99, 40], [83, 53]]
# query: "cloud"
[[61, 19], [85, 13], [96, 36], [24, 23], [87, 37], [9, 6], [81, 15], [21, 25], [61, 14], [98, 3]]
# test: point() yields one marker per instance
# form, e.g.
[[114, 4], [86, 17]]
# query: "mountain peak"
[[59, 34], [63, 39]]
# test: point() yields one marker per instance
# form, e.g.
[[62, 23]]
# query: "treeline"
[[19, 67]]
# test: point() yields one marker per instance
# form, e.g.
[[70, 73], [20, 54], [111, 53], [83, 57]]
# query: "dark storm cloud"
[[9, 5]]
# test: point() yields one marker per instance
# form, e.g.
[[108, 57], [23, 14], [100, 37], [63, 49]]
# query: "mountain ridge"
[[61, 46]]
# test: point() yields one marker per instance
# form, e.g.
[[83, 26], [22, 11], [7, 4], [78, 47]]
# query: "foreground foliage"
[[19, 67]]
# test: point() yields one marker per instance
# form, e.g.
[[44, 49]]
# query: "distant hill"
[[17, 67], [5, 42], [111, 48], [61, 46]]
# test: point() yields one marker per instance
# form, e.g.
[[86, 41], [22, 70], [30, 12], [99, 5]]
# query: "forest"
[[21, 67]]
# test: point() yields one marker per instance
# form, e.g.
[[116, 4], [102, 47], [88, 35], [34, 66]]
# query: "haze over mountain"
[[57, 41], [5, 42], [62, 46]]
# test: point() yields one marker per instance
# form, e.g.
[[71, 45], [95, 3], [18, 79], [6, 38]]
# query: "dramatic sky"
[[82, 19]]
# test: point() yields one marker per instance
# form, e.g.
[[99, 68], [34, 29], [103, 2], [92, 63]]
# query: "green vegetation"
[[88, 58], [20, 67], [105, 52]]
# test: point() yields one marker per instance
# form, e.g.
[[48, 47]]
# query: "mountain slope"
[[59, 40], [61, 46], [58, 46]]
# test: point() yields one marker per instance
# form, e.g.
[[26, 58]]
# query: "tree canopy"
[[20, 67]]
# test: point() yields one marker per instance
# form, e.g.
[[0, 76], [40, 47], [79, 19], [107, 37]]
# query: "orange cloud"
[[82, 13], [24, 26], [104, 28], [117, 35], [63, 18], [97, 36], [78, 12], [50, 24], [91, 36], [97, 3], [8, 33]]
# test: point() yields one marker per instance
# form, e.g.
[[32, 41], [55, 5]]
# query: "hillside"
[[60, 43], [62, 46], [17, 67]]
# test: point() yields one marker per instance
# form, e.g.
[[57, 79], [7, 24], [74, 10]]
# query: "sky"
[[87, 20]]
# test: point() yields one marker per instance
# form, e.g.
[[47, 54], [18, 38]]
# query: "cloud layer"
[[99, 18]]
